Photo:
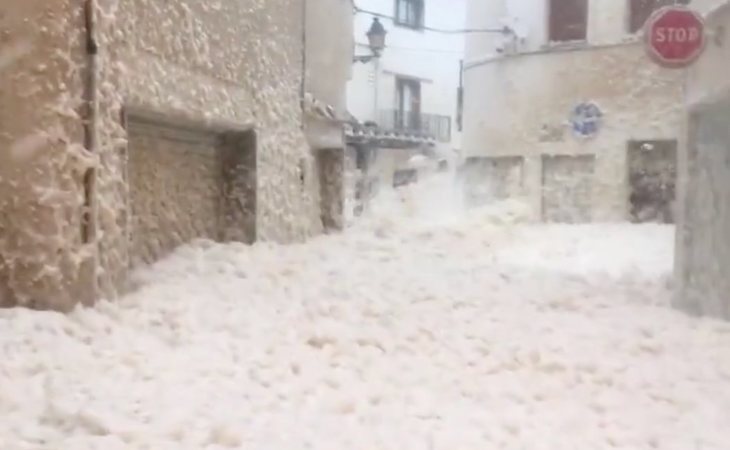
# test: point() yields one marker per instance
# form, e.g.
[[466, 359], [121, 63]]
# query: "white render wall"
[[430, 56]]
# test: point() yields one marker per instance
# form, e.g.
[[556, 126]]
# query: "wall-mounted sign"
[[585, 120]]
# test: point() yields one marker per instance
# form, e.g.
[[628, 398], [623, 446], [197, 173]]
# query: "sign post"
[[675, 36]]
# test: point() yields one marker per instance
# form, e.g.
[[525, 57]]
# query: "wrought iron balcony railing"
[[431, 125]]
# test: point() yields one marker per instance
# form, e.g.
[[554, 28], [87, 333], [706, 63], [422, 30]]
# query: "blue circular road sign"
[[586, 119]]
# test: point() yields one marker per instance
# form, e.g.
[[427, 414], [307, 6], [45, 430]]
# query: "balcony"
[[426, 125]]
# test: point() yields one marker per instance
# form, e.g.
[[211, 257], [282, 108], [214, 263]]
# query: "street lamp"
[[376, 41]]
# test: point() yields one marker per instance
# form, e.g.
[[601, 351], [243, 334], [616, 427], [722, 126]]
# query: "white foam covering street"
[[464, 333]]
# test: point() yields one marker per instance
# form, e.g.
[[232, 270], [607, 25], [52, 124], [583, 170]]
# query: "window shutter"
[[568, 20], [642, 9]]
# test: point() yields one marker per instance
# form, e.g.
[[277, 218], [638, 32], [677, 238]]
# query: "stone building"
[[564, 109], [703, 241], [131, 127], [329, 47]]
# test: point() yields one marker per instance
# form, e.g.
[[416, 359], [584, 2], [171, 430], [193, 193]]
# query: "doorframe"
[[627, 194], [593, 157], [235, 143]]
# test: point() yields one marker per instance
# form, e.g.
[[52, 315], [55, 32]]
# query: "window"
[[640, 10], [568, 20], [409, 13], [405, 177], [408, 109]]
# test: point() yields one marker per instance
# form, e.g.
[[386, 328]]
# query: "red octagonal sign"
[[675, 36]]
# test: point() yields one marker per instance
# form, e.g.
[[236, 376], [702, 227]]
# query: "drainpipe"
[[376, 89], [89, 227], [460, 99], [303, 87]]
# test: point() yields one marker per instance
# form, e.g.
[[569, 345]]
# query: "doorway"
[[187, 181], [567, 188], [652, 177], [493, 178], [408, 109], [331, 169]]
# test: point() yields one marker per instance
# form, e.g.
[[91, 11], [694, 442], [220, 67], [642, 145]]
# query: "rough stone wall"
[[234, 61], [704, 283], [44, 261], [703, 242], [521, 105], [329, 50]]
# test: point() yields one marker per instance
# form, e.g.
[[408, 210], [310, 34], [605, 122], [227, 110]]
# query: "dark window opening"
[[405, 177], [408, 95], [364, 158], [641, 10], [568, 20], [409, 13]]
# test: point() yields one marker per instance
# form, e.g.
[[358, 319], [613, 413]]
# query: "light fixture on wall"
[[376, 42]]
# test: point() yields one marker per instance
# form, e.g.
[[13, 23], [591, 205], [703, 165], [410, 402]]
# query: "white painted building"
[[413, 85], [567, 111]]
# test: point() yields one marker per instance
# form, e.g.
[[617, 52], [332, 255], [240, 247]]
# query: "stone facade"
[[329, 51], [44, 260], [522, 89], [73, 70], [703, 242], [521, 105]]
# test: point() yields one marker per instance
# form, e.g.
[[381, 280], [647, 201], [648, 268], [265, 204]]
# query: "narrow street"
[[365, 225], [467, 334]]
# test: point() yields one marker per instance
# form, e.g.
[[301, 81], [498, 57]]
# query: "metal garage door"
[[175, 179], [567, 188]]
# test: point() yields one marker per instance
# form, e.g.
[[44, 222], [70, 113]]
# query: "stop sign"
[[675, 36]]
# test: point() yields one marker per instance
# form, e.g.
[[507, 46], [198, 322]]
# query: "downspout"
[[89, 224], [303, 87], [376, 89], [460, 99]]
